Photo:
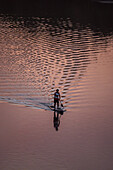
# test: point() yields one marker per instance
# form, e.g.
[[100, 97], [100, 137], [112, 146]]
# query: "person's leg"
[[58, 104], [54, 103]]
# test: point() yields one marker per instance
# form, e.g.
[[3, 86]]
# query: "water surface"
[[38, 55]]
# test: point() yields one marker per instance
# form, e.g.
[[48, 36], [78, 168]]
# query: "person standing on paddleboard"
[[56, 98]]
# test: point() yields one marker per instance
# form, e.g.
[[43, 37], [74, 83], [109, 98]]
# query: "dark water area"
[[97, 16], [45, 46]]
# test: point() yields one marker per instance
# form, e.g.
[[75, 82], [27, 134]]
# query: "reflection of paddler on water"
[[56, 120]]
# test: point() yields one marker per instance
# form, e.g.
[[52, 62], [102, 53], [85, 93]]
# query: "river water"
[[40, 54]]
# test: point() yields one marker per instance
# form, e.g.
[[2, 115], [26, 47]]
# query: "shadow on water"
[[56, 120]]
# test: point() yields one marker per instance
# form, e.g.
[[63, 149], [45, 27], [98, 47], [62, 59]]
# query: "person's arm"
[[59, 96]]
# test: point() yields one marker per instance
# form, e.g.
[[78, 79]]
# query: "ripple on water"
[[39, 55]]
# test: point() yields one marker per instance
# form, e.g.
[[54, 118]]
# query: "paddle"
[[61, 104]]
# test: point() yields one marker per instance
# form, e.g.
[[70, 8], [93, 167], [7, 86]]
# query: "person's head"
[[57, 90]]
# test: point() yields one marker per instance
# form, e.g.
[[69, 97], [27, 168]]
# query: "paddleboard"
[[57, 109]]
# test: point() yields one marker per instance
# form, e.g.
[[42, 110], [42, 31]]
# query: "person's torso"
[[56, 95]]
